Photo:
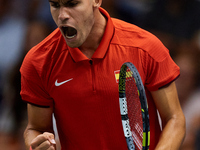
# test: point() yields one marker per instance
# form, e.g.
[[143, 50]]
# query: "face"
[[75, 19]]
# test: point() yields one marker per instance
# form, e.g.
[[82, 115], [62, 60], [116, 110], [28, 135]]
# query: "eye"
[[54, 4], [71, 3]]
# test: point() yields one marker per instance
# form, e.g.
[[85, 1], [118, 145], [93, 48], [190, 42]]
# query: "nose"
[[63, 14]]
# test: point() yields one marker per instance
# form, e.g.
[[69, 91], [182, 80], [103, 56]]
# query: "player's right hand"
[[44, 141]]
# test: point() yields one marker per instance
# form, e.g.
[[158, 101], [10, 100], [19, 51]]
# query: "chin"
[[73, 45]]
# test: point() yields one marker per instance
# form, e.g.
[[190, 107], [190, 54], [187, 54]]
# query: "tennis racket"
[[133, 108]]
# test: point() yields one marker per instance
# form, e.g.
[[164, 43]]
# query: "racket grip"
[[30, 148], [130, 143]]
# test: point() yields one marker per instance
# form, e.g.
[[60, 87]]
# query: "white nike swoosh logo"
[[61, 83]]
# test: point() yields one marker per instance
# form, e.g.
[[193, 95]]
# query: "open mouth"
[[69, 32]]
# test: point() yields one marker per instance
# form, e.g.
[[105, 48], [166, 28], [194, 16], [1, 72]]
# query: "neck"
[[94, 39]]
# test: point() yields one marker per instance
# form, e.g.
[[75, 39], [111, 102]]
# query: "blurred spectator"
[[13, 117], [197, 143], [189, 91], [40, 9], [31, 9], [196, 40], [174, 21], [192, 115], [188, 61], [133, 11], [110, 7], [12, 29], [23, 24]]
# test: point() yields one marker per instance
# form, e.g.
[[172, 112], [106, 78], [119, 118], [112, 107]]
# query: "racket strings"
[[134, 112]]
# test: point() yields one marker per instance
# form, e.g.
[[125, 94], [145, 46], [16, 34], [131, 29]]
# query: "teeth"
[[70, 37], [69, 32]]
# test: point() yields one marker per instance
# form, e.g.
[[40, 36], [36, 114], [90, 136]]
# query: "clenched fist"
[[44, 141]]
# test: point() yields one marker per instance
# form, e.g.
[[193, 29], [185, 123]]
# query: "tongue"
[[70, 31]]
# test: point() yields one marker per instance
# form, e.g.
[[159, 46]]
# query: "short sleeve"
[[159, 67], [32, 87], [162, 73], [32, 92]]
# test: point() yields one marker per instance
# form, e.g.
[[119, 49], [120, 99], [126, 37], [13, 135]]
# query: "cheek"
[[54, 16], [84, 21], [88, 21], [85, 28], [84, 15]]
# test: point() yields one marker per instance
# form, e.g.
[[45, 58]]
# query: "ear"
[[97, 3]]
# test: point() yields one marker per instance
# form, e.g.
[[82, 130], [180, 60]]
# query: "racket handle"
[[129, 141], [30, 148]]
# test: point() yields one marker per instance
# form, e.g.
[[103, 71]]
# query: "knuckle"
[[51, 148], [45, 145], [48, 134]]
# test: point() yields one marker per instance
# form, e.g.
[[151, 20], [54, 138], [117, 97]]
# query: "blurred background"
[[24, 23]]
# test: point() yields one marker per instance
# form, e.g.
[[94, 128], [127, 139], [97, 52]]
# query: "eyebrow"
[[51, 1], [61, 1]]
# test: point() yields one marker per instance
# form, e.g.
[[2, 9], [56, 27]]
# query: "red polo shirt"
[[84, 93]]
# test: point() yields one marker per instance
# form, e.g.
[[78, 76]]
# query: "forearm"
[[173, 119], [173, 134], [39, 133]]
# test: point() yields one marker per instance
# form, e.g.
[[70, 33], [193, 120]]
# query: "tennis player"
[[73, 73]]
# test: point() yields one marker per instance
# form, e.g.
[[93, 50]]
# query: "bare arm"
[[39, 131], [173, 120]]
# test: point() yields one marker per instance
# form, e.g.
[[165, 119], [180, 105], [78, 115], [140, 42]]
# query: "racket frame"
[[133, 72]]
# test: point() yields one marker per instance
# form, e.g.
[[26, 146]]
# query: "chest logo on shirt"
[[128, 75], [61, 83], [117, 75]]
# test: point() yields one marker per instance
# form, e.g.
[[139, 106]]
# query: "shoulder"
[[40, 57], [47, 48], [130, 35], [49, 43]]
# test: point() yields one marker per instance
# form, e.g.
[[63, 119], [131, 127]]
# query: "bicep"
[[40, 118], [167, 102]]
